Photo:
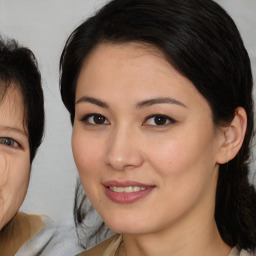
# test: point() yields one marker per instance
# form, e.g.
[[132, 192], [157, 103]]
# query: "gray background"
[[44, 26]]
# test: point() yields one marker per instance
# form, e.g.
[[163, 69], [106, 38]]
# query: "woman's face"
[[143, 141], [14, 155]]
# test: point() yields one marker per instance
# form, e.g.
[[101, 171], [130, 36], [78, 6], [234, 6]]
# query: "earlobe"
[[233, 136]]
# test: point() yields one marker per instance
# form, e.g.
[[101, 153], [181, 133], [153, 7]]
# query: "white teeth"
[[129, 189]]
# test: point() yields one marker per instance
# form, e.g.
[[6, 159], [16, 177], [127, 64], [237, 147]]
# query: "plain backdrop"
[[44, 26]]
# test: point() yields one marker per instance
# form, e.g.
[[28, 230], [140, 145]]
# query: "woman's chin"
[[126, 228]]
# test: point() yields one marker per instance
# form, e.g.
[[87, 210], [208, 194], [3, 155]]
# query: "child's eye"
[[158, 120], [95, 119], [9, 142]]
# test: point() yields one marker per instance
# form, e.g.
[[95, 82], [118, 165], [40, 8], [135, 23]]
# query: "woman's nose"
[[124, 149]]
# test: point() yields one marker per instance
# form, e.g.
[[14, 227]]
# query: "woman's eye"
[[158, 120], [95, 119], [9, 142]]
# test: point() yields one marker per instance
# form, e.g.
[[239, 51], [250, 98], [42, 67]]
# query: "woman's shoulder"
[[52, 240], [22, 227], [30, 223], [107, 247]]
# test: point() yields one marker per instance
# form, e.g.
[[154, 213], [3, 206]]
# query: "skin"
[[14, 155], [179, 158]]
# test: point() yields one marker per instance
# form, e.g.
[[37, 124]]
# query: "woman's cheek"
[[164, 155], [85, 152], [3, 172]]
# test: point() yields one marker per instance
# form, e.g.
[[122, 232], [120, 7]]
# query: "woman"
[[160, 98], [21, 131]]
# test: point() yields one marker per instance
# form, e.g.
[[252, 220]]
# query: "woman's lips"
[[126, 192], [130, 189]]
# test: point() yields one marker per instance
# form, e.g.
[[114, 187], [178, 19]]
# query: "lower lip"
[[127, 198]]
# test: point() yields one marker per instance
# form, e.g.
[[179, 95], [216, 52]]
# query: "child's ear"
[[232, 137]]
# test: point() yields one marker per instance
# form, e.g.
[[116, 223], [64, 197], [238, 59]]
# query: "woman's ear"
[[232, 137]]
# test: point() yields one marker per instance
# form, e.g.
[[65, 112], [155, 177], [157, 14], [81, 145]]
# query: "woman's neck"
[[189, 240]]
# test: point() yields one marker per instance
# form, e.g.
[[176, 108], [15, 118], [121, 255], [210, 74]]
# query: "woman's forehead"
[[12, 108]]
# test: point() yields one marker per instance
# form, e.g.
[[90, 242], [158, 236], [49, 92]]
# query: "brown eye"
[[95, 119], [9, 142], [158, 120]]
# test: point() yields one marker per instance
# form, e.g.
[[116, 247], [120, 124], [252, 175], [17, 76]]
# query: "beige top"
[[110, 246], [23, 227], [106, 248]]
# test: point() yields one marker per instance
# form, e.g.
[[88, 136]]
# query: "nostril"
[[123, 151]]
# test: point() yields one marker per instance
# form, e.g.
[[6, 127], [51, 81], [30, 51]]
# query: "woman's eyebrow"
[[14, 129], [150, 102], [95, 101]]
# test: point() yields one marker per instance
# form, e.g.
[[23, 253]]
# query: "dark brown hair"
[[202, 42], [18, 67]]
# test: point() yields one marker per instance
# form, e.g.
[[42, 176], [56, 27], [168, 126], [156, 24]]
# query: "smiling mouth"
[[129, 189], [127, 192]]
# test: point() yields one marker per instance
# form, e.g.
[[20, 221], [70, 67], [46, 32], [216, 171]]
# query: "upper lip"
[[115, 183]]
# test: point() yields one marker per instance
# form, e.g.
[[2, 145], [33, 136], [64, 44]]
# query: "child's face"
[[14, 155], [143, 141]]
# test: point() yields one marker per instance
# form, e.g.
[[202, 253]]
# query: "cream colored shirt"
[[23, 227]]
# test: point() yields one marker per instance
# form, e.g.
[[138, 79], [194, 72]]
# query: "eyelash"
[[165, 118], [9, 142], [86, 118], [104, 120]]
